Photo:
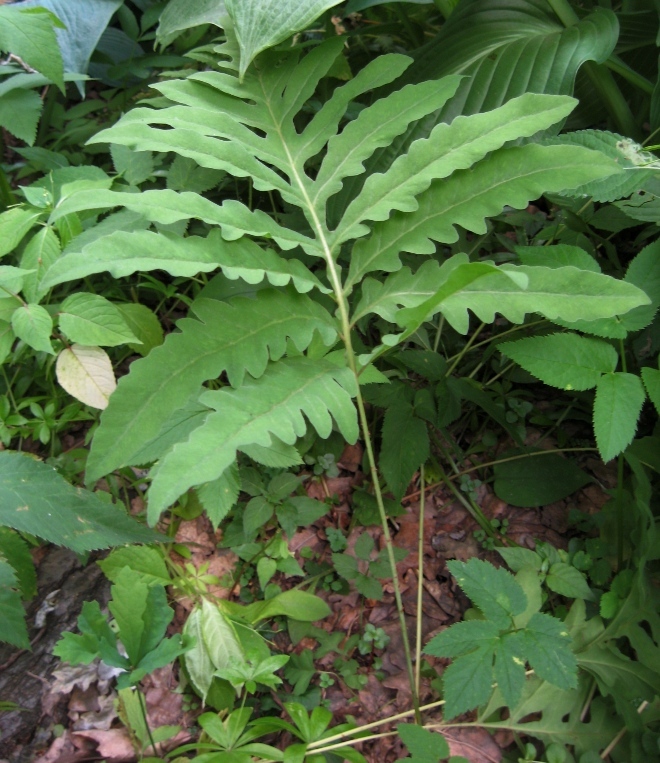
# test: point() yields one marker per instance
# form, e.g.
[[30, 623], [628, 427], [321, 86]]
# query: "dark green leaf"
[[462, 637], [468, 681], [547, 648]]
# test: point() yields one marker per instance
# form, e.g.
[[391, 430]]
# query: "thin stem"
[[500, 335], [143, 708], [605, 753], [467, 346], [420, 580], [339, 745]]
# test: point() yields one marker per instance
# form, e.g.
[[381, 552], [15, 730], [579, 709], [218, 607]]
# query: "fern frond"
[[123, 253], [448, 148], [508, 177], [166, 207], [235, 337], [272, 405]]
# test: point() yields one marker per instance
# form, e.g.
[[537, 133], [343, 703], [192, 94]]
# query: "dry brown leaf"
[[475, 744]]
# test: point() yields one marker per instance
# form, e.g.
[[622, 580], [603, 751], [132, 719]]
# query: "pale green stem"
[[420, 580], [467, 346], [342, 304]]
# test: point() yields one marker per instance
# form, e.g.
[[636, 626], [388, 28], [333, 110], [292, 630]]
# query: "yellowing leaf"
[[86, 373]]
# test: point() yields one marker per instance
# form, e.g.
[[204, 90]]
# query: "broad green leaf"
[[33, 324], [6, 340], [86, 374], [186, 175], [462, 637], [271, 405], [39, 254], [143, 559], [12, 278], [298, 605], [567, 361], [235, 337], [257, 514], [12, 625], [96, 639], [537, 480], [510, 667], [260, 24], [651, 379], [547, 648], [14, 224], [452, 147], [567, 581], [493, 589], [20, 111], [405, 446], [510, 176], [468, 681], [144, 324], [219, 637], [91, 319], [517, 558], [619, 400], [424, 745], [35, 499], [29, 32], [15, 551]]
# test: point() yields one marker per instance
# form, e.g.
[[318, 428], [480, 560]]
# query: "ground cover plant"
[[301, 254]]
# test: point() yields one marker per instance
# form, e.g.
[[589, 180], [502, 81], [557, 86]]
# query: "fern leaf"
[[233, 337], [124, 253], [376, 126], [509, 177], [448, 148], [262, 408], [552, 292], [166, 207]]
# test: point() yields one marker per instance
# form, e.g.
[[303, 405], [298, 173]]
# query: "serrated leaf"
[[567, 361], [369, 587], [271, 405], [90, 319], [30, 34], [644, 272], [538, 480], [135, 166], [510, 667], [564, 579], [20, 111], [86, 373], [423, 745], [494, 590], [186, 175], [260, 24], [468, 681], [619, 400], [95, 639], [405, 447], [15, 551], [143, 559], [547, 648], [33, 324], [35, 499], [235, 337], [517, 558], [13, 629], [651, 379], [219, 496], [462, 637]]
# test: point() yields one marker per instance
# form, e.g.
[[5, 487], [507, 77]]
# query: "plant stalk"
[[420, 580]]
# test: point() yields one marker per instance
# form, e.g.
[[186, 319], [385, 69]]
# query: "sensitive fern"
[[269, 354]]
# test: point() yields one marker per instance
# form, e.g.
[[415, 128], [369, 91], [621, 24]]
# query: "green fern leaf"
[[272, 405], [167, 207], [509, 177], [234, 337], [124, 253], [448, 148]]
